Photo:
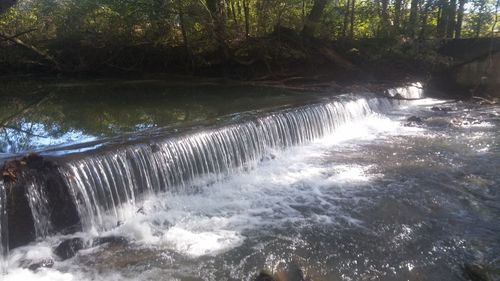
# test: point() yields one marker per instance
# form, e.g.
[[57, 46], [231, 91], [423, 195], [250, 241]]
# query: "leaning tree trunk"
[[313, 18], [5, 5]]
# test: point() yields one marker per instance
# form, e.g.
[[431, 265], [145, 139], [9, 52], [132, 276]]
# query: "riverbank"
[[283, 56]]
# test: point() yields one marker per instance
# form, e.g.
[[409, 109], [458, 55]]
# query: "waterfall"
[[4, 241], [101, 184], [413, 91], [106, 185], [38, 202]]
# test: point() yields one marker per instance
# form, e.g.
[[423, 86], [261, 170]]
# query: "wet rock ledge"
[[23, 178]]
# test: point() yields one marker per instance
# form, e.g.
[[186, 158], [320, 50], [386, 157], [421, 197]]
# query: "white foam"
[[23, 274], [300, 185], [196, 244], [218, 218], [411, 91]]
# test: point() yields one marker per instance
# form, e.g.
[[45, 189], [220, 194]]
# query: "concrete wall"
[[481, 75]]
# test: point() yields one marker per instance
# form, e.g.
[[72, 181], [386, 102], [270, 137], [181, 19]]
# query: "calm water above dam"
[[38, 114], [331, 187]]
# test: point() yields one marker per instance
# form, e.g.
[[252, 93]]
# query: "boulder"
[[69, 248], [113, 240], [414, 121], [290, 272], [18, 176], [44, 263], [475, 272]]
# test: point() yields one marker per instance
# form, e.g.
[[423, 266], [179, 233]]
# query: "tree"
[[460, 18], [452, 8], [397, 15], [218, 24], [412, 24], [313, 18], [442, 22], [351, 31], [384, 18]]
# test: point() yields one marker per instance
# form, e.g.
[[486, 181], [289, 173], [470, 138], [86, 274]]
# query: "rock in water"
[[414, 121], [264, 276], [475, 272], [113, 240], [45, 263], [68, 248], [11, 171], [291, 272]]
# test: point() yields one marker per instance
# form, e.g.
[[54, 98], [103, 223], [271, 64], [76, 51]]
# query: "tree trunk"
[[384, 18], [351, 31], [479, 22], [261, 22], [442, 19], [346, 18], [34, 49], [425, 16], [303, 12], [452, 12], [460, 18], [397, 14], [412, 24], [233, 12], [183, 26], [313, 18], [246, 12], [218, 19]]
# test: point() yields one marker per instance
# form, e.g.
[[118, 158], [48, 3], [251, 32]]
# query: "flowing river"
[[317, 187]]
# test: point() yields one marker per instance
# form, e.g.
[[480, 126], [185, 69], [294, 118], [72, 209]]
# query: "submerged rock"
[[113, 240], [68, 248], [45, 263], [441, 109], [414, 121], [476, 272], [290, 272], [264, 276]]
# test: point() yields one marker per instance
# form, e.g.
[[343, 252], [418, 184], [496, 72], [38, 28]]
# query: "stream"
[[207, 186]]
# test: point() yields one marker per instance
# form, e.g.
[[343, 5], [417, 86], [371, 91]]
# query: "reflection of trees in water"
[[74, 113], [78, 111]]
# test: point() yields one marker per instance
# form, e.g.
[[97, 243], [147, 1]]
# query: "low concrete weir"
[[47, 194]]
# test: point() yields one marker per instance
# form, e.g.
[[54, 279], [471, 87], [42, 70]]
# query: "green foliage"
[[51, 24]]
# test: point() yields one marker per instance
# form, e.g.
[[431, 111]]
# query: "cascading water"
[[4, 246], [100, 184], [414, 91], [38, 202], [323, 191]]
